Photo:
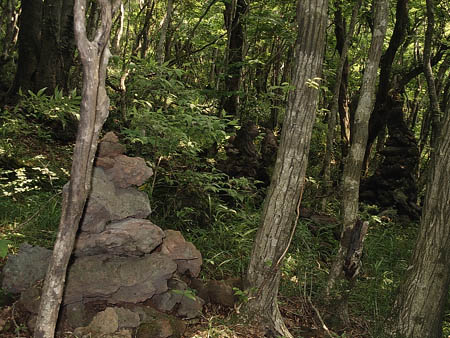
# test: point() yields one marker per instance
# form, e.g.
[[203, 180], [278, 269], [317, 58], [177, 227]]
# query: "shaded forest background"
[[199, 90]]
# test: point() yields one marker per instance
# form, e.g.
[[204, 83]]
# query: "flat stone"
[[118, 279], [128, 171], [130, 237]]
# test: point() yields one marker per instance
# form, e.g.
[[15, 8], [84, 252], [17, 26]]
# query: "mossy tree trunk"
[[93, 113], [281, 208]]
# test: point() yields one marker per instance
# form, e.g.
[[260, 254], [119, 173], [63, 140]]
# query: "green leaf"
[[4, 243]]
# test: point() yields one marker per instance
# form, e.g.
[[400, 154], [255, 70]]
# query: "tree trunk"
[[332, 116], [421, 301], [93, 113], [434, 102], [57, 46], [378, 118], [160, 50], [353, 163], [233, 20], [281, 207], [29, 46]]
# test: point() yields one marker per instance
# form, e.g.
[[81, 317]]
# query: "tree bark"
[[353, 163], [422, 297], [29, 47], [93, 113], [281, 207], [378, 118], [432, 94], [57, 46], [160, 50], [332, 116]]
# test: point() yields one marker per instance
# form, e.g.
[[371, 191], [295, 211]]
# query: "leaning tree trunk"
[[332, 115], [281, 207], [353, 164], [420, 304], [93, 113]]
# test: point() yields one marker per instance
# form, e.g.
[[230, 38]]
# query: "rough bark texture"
[[93, 112], [57, 45], [420, 304], [332, 116], [353, 163], [281, 208]]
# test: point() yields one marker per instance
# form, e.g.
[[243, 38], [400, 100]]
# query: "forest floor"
[[303, 319]]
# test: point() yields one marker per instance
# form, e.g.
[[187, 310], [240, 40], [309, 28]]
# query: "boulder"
[[130, 237], [23, 270], [128, 171], [107, 203], [118, 279], [185, 254]]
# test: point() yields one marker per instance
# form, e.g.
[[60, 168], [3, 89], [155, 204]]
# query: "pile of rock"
[[123, 263]]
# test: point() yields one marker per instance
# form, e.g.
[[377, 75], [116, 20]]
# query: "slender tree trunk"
[[281, 207], [332, 116], [234, 16], [353, 163], [420, 304], [378, 118], [93, 113], [160, 50], [435, 110]]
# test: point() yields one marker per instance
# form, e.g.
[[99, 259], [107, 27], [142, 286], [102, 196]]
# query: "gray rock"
[[166, 301], [190, 307], [127, 318], [187, 257], [128, 171], [76, 314], [118, 279], [130, 237], [30, 299], [107, 203], [23, 270]]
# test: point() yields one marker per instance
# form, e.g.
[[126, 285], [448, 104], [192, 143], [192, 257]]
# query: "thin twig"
[[324, 326]]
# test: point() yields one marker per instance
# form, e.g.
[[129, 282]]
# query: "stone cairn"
[[123, 265]]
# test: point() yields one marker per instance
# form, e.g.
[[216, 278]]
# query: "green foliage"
[[4, 247], [188, 293], [50, 111], [32, 217]]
